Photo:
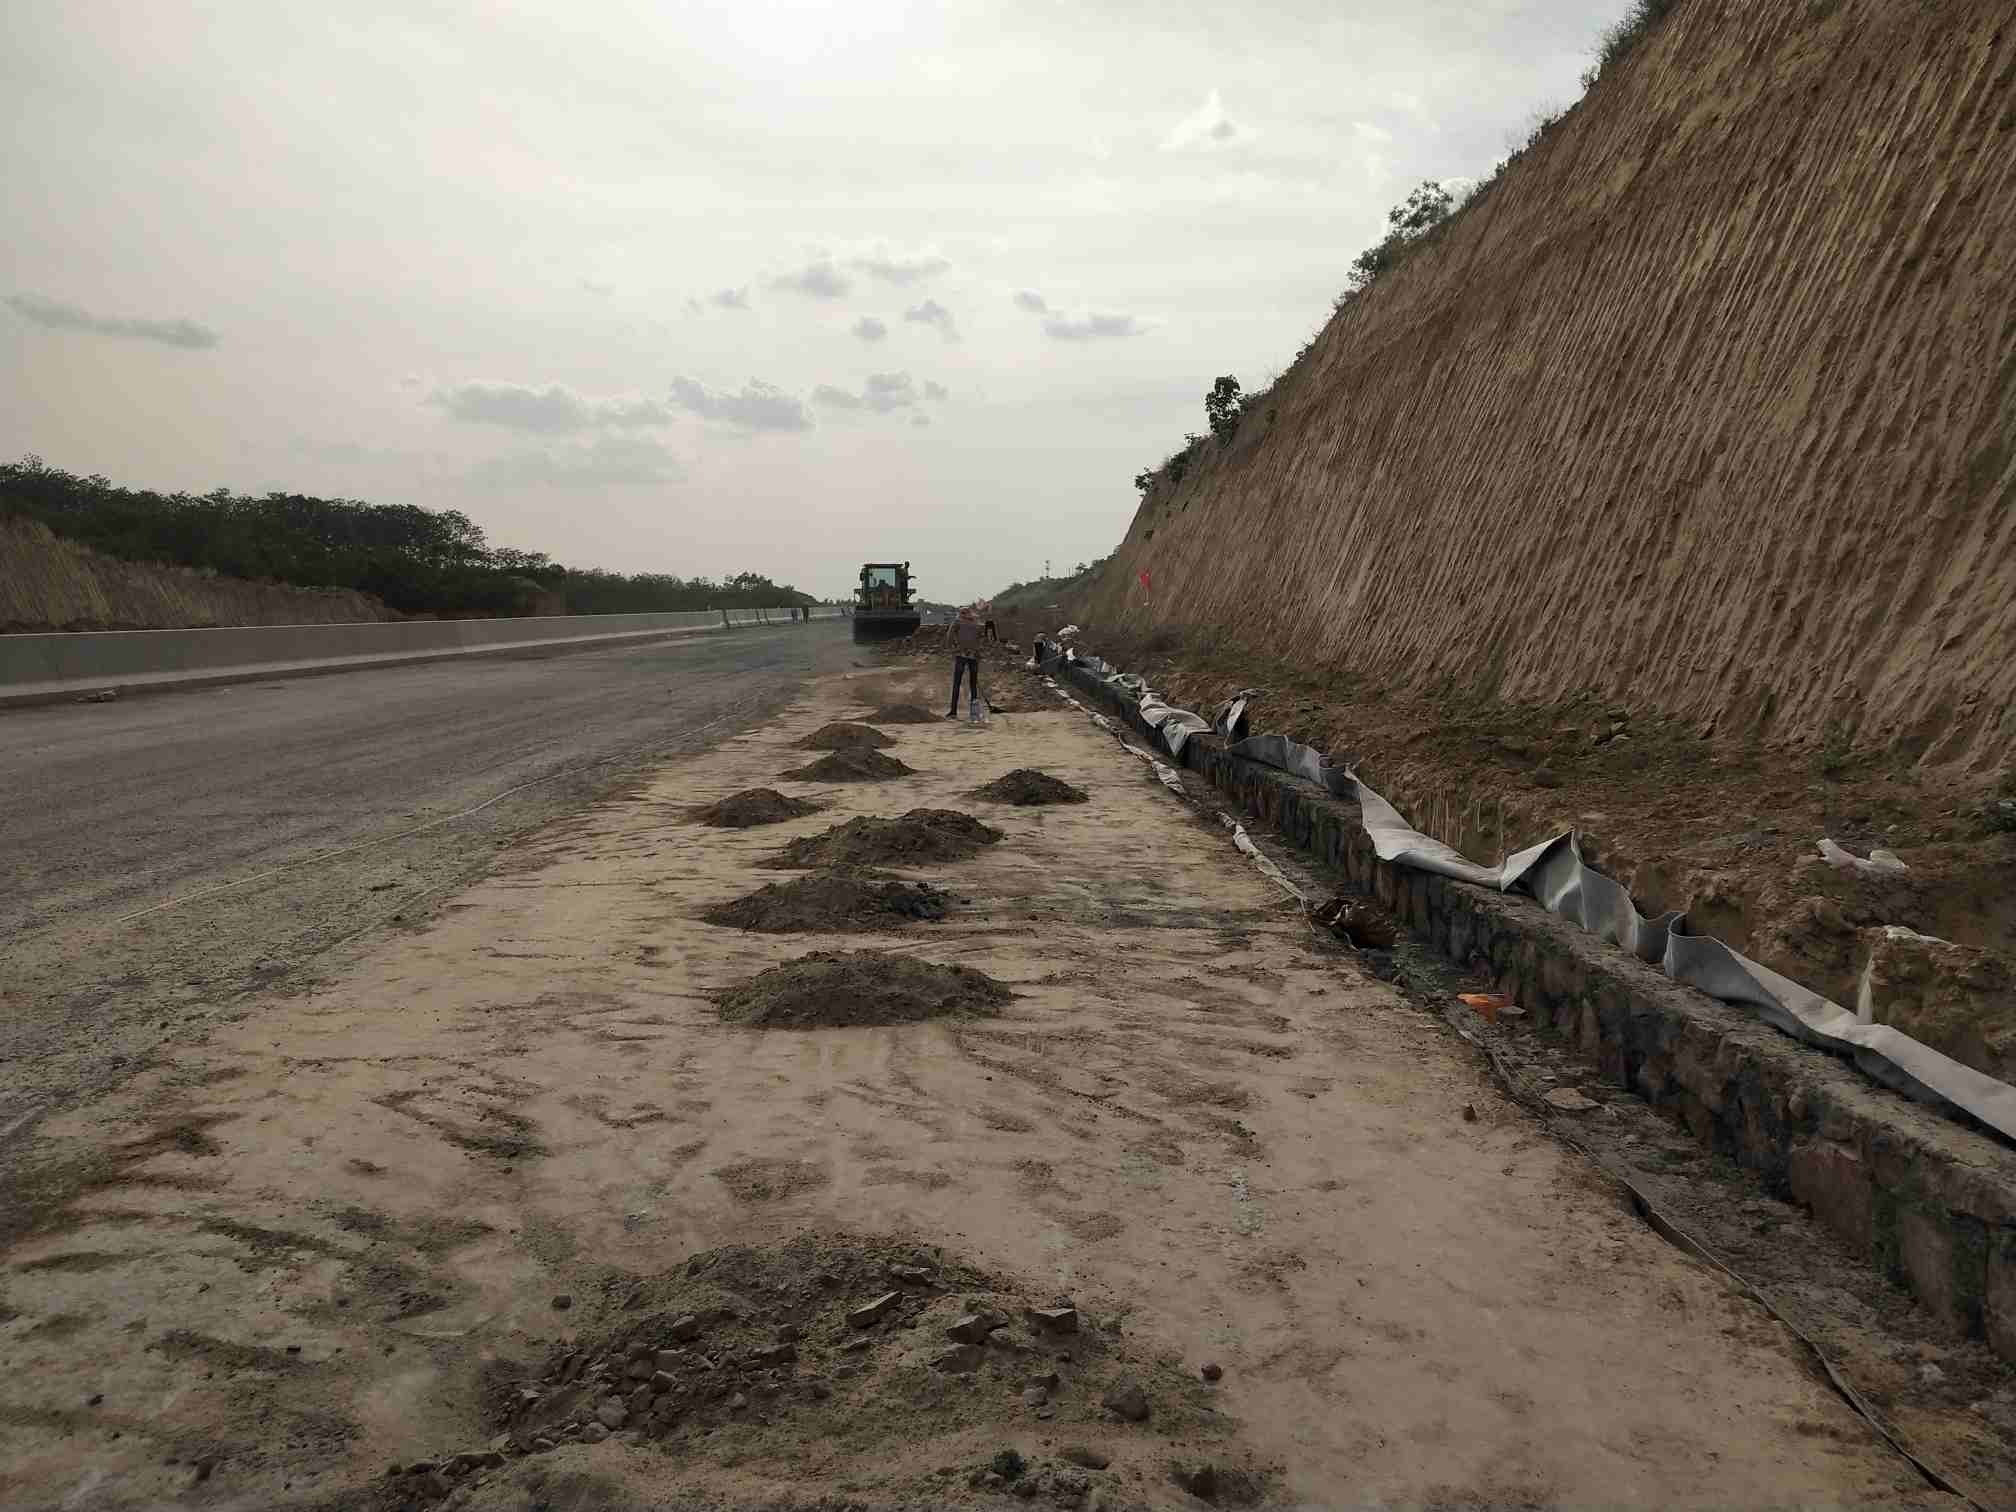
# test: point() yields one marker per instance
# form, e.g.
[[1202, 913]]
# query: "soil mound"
[[853, 899], [922, 835], [843, 735], [1028, 787], [751, 807], [832, 989], [744, 1355], [900, 714], [857, 765]]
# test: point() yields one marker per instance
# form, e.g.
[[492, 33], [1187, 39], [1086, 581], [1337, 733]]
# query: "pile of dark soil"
[[857, 765], [900, 714], [859, 987], [843, 735], [751, 807], [740, 1357], [854, 900], [1358, 921], [922, 835], [1028, 787]]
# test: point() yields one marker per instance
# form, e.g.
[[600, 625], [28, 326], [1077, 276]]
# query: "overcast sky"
[[699, 287]]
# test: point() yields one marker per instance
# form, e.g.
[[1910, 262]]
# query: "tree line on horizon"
[[417, 561]]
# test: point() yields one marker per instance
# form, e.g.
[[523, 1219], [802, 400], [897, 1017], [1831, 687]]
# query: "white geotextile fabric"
[[1554, 874]]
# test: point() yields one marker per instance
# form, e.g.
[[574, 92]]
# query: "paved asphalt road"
[[163, 857]]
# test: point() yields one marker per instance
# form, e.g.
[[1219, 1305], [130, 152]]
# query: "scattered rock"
[[843, 735], [1034, 1396], [921, 836], [1078, 1454], [829, 989], [1027, 788], [1049, 1380], [103, 695], [1220, 1485], [959, 1359], [827, 901], [1052, 1319], [874, 1312], [562, 1302], [593, 1433], [910, 1275], [751, 807], [1213, 1371], [1544, 777], [543, 1445], [684, 1330], [738, 1402], [850, 766], [973, 1328], [1127, 1401], [1469, 1113], [1568, 1100], [776, 1354], [612, 1413]]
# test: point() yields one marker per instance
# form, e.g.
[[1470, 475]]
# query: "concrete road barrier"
[[43, 667]]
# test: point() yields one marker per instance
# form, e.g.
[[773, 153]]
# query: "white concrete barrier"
[[39, 666]]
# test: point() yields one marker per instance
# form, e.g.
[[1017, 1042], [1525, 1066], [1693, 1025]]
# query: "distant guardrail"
[[42, 666]]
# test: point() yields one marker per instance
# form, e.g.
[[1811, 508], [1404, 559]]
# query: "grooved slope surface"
[[1710, 402]]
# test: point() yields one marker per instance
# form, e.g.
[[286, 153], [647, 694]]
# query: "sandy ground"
[[309, 1245], [164, 857]]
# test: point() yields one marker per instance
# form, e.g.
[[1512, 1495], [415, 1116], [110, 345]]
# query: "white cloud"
[[818, 279], [553, 411], [920, 418], [595, 286], [936, 390], [1093, 327], [932, 313], [880, 394], [868, 328], [902, 270], [58, 316], [605, 461], [758, 407], [1206, 129], [730, 299], [1030, 300]]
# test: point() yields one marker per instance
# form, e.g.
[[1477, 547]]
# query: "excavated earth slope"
[[1708, 404]]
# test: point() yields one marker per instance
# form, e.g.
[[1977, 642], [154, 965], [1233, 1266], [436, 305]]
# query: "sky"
[[671, 286]]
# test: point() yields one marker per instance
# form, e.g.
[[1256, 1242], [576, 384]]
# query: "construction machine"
[[882, 607]]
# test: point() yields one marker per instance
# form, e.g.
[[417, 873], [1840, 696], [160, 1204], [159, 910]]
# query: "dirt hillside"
[[47, 583], [1709, 405]]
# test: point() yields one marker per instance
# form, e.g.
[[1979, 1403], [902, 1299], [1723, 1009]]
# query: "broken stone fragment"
[[1034, 1396], [957, 1360], [1127, 1401], [593, 1433], [737, 1402], [641, 1370], [910, 1275], [874, 1312], [1568, 1100], [684, 1329], [611, 1413], [775, 1354], [1078, 1454], [1054, 1319], [974, 1328], [1048, 1380], [663, 1381], [1212, 1371]]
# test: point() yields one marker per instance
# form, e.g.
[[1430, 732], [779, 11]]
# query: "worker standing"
[[965, 661]]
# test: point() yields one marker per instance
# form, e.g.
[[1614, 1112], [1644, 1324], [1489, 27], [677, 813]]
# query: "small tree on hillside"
[[1221, 407]]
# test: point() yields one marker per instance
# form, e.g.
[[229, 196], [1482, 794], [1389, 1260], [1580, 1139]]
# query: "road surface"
[[162, 856]]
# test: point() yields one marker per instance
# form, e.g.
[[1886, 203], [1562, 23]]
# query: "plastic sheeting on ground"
[[1554, 874]]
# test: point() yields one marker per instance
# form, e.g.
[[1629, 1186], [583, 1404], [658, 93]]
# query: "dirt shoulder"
[[332, 1236]]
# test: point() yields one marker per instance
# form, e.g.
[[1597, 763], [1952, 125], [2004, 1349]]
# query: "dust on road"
[[392, 1221]]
